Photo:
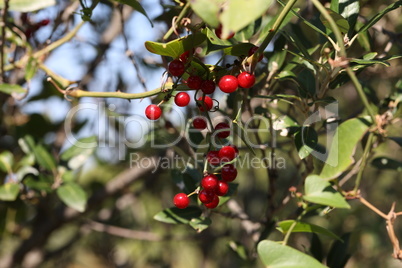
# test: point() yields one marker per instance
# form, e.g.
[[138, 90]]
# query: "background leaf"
[[28, 5], [6, 161], [12, 88], [9, 191], [73, 196]]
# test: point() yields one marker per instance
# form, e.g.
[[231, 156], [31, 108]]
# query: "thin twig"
[[373, 208]]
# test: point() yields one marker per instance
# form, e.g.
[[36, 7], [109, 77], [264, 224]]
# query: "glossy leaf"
[[6, 161], [9, 191], [340, 21], [343, 146], [73, 196], [387, 163], [12, 88], [306, 141], [28, 5], [275, 255], [176, 47], [349, 9], [200, 224], [137, 6], [237, 14], [178, 216], [320, 191], [303, 227], [379, 15]]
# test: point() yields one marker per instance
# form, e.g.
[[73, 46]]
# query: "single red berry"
[[205, 104], [228, 83], [153, 112], [253, 50], [210, 183], [181, 200], [208, 86], [218, 33], [223, 130], [214, 203], [228, 173], [44, 22], [235, 148], [246, 80], [227, 153], [199, 123], [213, 158], [223, 188], [182, 99], [185, 55], [176, 68], [206, 196], [194, 82]]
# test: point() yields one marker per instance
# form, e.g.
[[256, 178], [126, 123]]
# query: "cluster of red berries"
[[227, 83], [211, 188]]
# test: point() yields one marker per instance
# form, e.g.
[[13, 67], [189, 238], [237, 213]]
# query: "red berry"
[[246, 80], [199, 123], [235, 148], [181, 200], [213, 158], [228, 173], [227, 153], [182, 99], [228, 84], [194, 82], [220, 133], [253, 50], [223, 188], [208, 86], [185, 55], [206, 196], [205, 104], [210, 183], [153, 112], [218, 32], [214, 203], [176, 68]]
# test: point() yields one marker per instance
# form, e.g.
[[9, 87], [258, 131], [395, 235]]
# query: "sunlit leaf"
[[6, 161], [200, 224], [340, 21], [12, 88], [320, 191], [28, 5], [275, 255], [9, 191], [303, 227]]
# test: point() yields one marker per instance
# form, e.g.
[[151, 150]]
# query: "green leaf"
[[6, 161], [379, 15], [200, 224], [343, 146], [275, 255], [207, 10], [340, 21], [12, 88], [178, 216], [306, 141], [44, 158], [370, 62], [303, 227], [73, 196], [349, 9], [237, 14], [40, 183], [238, 49], [76, 155], [387, 163], [137, 6], [28, 5], [31, 68], [176, 47], [9, 191], [320, 191]]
